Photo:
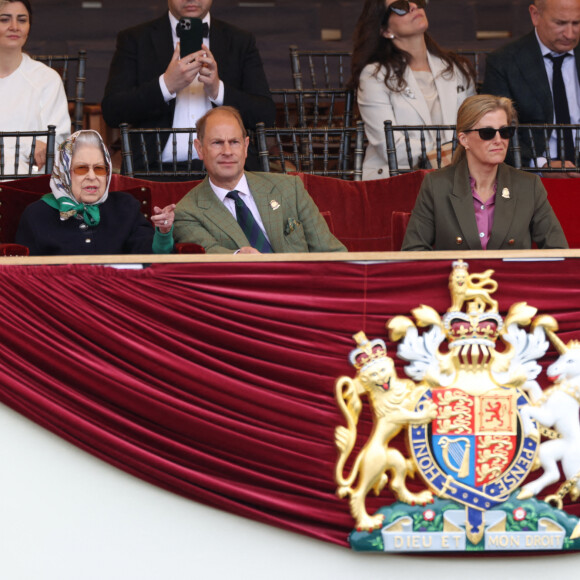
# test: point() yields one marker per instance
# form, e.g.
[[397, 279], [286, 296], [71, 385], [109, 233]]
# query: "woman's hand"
[[40, 154], [163, 218]]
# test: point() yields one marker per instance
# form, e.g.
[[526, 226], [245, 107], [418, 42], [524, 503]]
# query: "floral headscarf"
[[62, 197]]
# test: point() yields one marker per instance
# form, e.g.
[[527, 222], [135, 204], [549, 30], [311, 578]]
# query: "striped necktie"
[[561, 105], [249, 225]]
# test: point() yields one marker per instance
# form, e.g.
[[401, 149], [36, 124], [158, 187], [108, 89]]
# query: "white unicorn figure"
[[557, 409]]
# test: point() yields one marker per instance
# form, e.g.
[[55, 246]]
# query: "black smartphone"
[[190, 33]]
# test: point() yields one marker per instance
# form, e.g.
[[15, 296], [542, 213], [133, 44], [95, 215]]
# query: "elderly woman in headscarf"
[[81, 216]]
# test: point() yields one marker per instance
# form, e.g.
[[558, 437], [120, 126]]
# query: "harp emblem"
[[456, 454]]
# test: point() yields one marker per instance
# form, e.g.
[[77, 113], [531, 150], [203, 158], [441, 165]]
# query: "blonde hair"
[[473, 109]]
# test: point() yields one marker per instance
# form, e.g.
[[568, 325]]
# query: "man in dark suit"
[[233, 211], [524, 71], [150, 86]]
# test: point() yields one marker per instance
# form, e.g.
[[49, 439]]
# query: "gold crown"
[[483, 327], [368, 350]]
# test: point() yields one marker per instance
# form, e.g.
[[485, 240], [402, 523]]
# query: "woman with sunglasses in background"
[[479, 202], [81, 216], [401, 74]]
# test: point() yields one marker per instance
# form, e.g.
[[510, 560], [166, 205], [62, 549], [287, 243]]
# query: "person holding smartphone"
[[479, 202], [151, 85]]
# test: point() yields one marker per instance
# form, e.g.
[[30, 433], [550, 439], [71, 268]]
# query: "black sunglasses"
[[402, 7], [488, 133]]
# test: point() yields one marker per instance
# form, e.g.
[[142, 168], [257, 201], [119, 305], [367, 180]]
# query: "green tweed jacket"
[[290, 217], [444, 216]]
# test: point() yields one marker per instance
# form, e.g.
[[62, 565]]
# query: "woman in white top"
[[31, 94], [401, 74]]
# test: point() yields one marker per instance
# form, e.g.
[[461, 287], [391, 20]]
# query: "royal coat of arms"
[[483, 437]]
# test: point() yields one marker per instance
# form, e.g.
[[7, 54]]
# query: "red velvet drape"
[[216, 381]]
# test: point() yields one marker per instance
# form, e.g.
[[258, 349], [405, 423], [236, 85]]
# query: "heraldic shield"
[[476, 420]]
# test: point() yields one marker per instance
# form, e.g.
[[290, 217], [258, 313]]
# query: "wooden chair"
[[330, 151], [142, 151], [331, 68], [477, 59], [72, 69], [325, 69], [424, 157], [23, 144], [314, 107], [529, 142]]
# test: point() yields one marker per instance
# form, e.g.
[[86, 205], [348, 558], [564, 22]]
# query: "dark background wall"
[[65, 26]]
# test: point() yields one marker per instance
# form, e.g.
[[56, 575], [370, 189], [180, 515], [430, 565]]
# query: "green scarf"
[[68, 208]]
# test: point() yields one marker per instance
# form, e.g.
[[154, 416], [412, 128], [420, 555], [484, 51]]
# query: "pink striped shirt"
[[484, 212]]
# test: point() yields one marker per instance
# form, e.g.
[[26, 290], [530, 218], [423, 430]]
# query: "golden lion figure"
[[392, 402], [471, 287]]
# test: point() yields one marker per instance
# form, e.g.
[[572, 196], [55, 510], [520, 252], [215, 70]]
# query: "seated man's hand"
[[163, 218], [40, 154], [248, 250], [182, 71], [563, 173]]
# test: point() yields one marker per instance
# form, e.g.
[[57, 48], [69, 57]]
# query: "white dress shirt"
[[191, 103]]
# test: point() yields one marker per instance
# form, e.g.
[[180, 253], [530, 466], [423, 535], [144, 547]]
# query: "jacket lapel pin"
[[505, 193], [64, 215], [409, 93], [274, 205]]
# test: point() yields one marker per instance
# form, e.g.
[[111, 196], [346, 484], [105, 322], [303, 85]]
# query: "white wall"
[[65, 515]]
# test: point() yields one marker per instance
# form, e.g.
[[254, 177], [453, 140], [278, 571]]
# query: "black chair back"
[[529, 143], [330, 151], [72, 69], [17, 150], [425, 146], [319, 69], [477, 58], [313, 107], [142, 152], [526, 146]]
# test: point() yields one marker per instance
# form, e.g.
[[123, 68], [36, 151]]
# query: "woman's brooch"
[[64, 215]]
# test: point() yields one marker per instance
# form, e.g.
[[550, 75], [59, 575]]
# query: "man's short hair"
[[201, 122]]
